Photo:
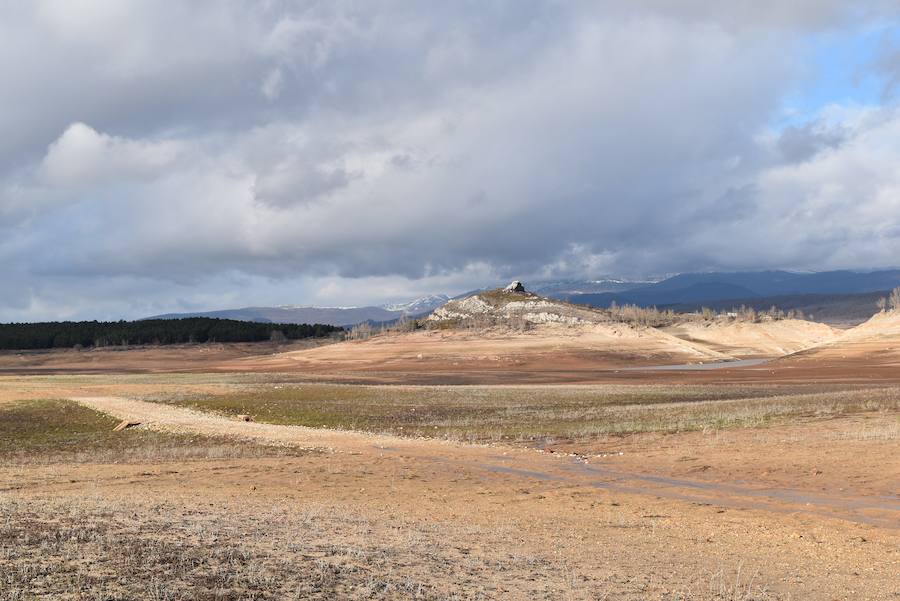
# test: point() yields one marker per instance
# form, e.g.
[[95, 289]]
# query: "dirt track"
[[174, 419], [879, 510], [801, 511]]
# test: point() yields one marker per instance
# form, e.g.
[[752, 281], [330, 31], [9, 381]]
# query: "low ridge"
[[512, 305]]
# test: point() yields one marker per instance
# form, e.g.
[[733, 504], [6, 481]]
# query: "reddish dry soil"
[[857, 364], [810, 510], [807, 511]]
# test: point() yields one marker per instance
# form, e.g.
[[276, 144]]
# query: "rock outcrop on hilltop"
[[743, 336], [513, 306]]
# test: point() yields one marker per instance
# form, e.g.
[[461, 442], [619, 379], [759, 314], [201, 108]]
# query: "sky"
[[179, 156]]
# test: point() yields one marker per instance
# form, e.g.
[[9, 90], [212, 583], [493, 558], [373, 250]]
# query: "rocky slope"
[[512, 307]]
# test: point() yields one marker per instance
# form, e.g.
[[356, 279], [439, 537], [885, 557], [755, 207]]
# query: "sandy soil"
[[545, 354], [766, 339], [800, 352], [881, 482], [806, 511], [877, 341], [869, 353], [596, 346]]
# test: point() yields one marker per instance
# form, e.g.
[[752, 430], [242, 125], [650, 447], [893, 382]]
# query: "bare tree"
[[894, 299], [404, 324], [360, 332]]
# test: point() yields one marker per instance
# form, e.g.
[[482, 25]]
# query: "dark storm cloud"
[[158, 157], [798, 144]]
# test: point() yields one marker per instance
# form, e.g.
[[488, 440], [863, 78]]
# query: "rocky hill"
[[512, 305]]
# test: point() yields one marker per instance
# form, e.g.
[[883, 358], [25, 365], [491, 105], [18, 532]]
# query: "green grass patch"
[[484, 413], [51, 430], [43, 426]]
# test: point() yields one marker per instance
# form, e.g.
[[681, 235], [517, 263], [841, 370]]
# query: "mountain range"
[[832, 296], [335, 316]]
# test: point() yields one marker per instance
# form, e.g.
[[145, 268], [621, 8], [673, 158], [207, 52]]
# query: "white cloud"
[[273, 84], [369, 150], [839, 208], [84, 19], [83, 156]]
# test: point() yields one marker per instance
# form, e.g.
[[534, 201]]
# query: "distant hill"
[[831, 296], [335, 316], [563, 288], [836, 309], [773, 283], [420, 306], [653, 296], [760, 289]]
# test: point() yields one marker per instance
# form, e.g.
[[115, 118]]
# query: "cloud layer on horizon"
[[208, 154]]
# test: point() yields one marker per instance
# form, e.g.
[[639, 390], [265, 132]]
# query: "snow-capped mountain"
[[338, 316], [426, 304], [565, 288]]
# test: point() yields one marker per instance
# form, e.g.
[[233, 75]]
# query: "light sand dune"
[[595, 345], [881, 326], [876, 341], [541, 353], [749, 339]]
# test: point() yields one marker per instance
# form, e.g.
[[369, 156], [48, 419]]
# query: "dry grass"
[[100, 550], [878, 433], [524, 414], [58, 431], [127, 549]]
